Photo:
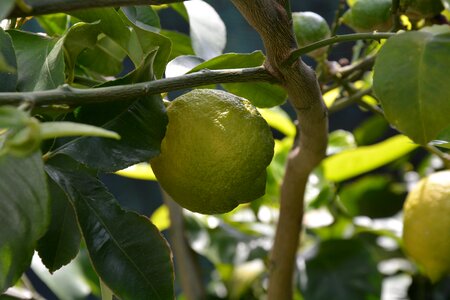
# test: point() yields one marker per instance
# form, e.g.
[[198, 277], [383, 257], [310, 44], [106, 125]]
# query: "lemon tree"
[[215, 151], [426, 224]]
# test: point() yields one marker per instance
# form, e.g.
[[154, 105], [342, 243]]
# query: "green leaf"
[[340, 140], [141, 125], [411, 73], [40, 61], [54, 24], [277, 118], [207, 30], [354, 162], [232, 61], [79, 37], [5, 8], [24, 214], [261, 94], [143, 17], [8, 64], [182, 64], [371, 130], [126, 249], [342, 270], [61, 242], [181, 43], [50, 130], [373, 196]]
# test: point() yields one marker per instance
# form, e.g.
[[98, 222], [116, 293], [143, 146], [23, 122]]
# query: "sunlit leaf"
[[64, 129], [277, 118], [354, 162], [139, 171], [411, 73], [160, 218]]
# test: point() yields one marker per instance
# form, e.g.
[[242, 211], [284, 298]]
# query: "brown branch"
[[271, 21], [42, 7], [185, 261]]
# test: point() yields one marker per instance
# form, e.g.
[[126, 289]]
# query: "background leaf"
[[24, 213], [8, 63], [126, 249], [354, 162], [143, 16], [342, 270], [5, 7], [418, 105], [207, 30], [61, 242], [40, 61]]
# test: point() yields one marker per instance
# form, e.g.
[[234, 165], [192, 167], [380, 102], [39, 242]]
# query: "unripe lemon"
[[309, 28], [417, 9], [426, 224], [215, 152], [369, 15]]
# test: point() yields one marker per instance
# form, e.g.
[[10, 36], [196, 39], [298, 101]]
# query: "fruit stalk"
[[273, 24]]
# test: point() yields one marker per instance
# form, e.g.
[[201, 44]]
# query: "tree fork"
[[273, 23]]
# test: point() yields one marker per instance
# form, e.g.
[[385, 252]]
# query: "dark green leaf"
[[40, 61], [371, 130], [373, 196], [8, 64], [342, 270], [126, 249], [410, 79], [61, 242], [24, 214], [141, 125], [143, 17], [207, 30], [261, 94], [232, 61], [5, 7]]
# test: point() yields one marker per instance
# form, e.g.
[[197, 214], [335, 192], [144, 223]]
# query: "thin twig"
[[349, 100], [67, 95], [293, 57], [43, 7]]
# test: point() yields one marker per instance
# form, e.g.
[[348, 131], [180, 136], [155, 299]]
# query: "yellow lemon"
[[426, 224]]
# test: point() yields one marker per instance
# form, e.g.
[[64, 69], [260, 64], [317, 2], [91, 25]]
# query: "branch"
[[273, 24], [336, 39], [42, 7], [75, 96]]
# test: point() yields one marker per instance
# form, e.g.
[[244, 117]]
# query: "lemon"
[[310, 27], [215, 152], [417, 9], [426, 224], [369, 15]]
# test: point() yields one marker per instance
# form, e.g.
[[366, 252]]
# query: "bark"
[[271, 20]]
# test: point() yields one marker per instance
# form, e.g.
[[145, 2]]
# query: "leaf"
[[181, 43], [371, 130], [161, 217], [141, 171], [141, 125], [232, 61], [411, 72], [207, 30], [340, 140], [24, 214], [61, 242], [346, 269], [182, 65], [54, 24], [40, 61], [277, 118], [354, 162], [50, 130], [126, 249], [143, 17], [8, 64], [375, 196], [5, 8], [261, 94]]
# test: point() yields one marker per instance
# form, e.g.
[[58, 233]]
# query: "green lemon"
[[426, 224], [215, 152], [369, 15], [309, 28]]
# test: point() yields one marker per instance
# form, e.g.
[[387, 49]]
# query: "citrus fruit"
[[369, 15], [310, 27], [426, 224], [215, 152], [418, 9]]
